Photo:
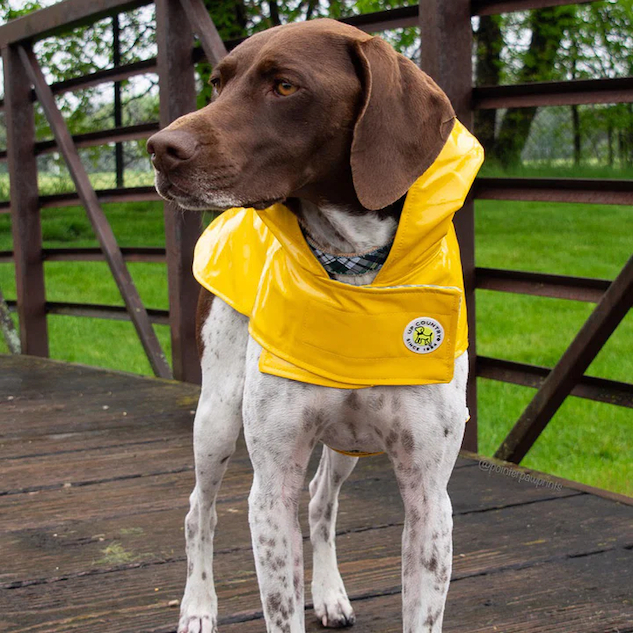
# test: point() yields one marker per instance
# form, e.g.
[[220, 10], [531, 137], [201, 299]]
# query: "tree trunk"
[[274, 13], [11, 337], [548, 27], [488, 43], [575, 119], [627, 136]]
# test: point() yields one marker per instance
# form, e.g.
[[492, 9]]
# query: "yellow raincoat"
[[406, 328]]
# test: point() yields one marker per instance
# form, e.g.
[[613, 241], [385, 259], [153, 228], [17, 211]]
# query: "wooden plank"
[[396, 18], [101, 411], [100, 137], [446, 56], [98, 311], [104, 196], [513, 470], [62, 17], [589, 387], [484, 541], [371, 481], [541, 284], [114, 135], [182, 229], [493, 7], [554, 93], [576, 190], [81, 468], [202, 25], [44, 397], [100, 224], [370, 564], [574, 596], [25, 213], [572, 365], [92, 556], [147, 254], [47, 444]]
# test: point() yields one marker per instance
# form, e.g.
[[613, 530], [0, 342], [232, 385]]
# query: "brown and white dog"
[[338, 125]]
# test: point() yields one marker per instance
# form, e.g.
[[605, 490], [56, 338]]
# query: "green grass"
[[586, 441], [559, 169]]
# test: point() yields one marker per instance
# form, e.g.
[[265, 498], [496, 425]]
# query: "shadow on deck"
[[95, 473]]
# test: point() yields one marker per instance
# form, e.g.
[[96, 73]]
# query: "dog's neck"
[[338, 229], [342, 230]]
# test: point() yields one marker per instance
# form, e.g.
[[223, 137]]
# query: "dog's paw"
[[332, 607], [197, 624]]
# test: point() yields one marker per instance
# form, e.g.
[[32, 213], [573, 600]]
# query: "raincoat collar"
[[426, 216]]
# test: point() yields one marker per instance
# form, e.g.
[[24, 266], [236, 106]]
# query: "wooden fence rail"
[[445, 27]]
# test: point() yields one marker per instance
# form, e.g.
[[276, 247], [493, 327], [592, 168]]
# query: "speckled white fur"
[[419, 427]]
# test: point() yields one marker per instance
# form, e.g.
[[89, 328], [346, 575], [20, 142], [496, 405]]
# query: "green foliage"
[[9, 12]]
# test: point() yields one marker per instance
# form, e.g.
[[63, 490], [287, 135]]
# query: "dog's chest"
[[356, 420], [357, 426]]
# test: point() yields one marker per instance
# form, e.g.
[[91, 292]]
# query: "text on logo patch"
[[423, 335]]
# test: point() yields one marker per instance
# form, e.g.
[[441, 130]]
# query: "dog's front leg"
[[331, 604], [216, 427], [279, 446]]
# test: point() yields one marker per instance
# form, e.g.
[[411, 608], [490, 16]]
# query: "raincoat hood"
[[406, 327]]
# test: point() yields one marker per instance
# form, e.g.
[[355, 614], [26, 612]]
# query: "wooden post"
[[182, 229], [447, 41], [25, 211]]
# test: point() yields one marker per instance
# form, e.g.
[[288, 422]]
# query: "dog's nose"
[[169, 148]]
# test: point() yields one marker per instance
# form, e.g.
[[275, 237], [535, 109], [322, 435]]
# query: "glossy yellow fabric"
[[321, 331]]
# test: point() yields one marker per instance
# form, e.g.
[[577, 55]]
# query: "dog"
[[336, 126]]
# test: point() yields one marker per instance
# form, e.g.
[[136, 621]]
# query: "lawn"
[[586, 441]]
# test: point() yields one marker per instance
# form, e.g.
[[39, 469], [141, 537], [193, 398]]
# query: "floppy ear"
[[404, 121]]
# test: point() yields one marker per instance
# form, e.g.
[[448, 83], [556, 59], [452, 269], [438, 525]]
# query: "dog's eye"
[[285, 88], [216, 83]]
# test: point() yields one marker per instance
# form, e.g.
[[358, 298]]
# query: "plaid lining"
[[350, 264]]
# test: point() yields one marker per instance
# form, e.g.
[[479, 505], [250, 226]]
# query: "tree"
[[586, 41]]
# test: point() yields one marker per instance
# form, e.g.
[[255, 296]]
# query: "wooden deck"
[[95, 473]]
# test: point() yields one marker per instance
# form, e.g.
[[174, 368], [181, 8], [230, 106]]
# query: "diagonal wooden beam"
[[97, 217], [202, 25], [606, 317]]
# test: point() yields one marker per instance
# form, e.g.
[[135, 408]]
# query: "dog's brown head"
[[318, 110]]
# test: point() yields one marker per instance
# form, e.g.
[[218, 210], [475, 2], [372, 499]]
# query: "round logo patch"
[[423, 335]]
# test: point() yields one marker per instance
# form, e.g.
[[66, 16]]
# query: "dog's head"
[[305, 110]]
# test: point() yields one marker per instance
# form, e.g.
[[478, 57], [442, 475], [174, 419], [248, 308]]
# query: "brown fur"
[[205, 299], [363, 125]]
